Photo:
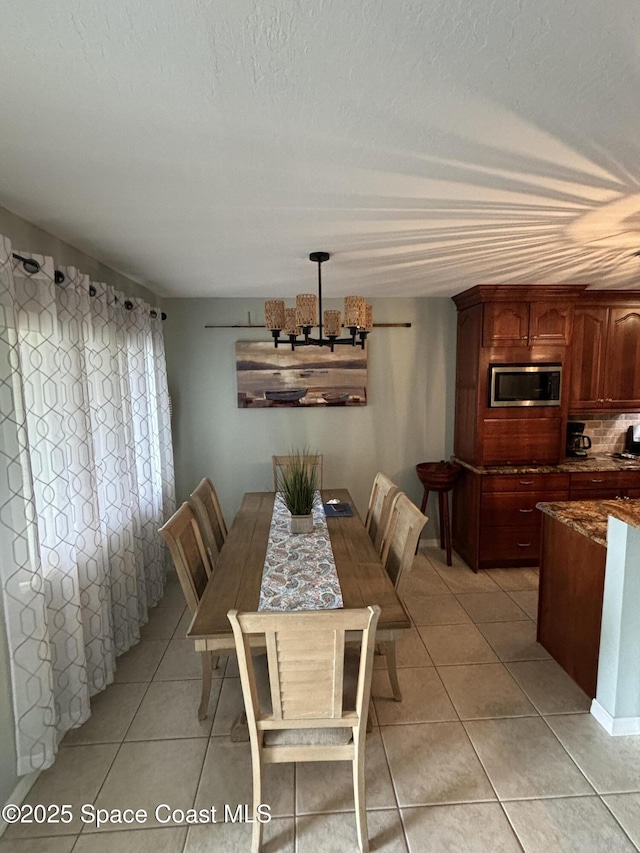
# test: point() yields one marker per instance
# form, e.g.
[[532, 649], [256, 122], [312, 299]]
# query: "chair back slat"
[[212, 524], [305, 654], [401, 536], [190, 557], [274, 674], [280, 462], [380, 500]]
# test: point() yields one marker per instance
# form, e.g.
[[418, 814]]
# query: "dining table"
[[236, 581]]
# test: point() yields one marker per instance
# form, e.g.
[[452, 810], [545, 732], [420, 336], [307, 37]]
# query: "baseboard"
[[615, 726], [430, 543], [19, 793]]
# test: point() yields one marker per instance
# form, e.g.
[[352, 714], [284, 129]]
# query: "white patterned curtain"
[[86, 479]]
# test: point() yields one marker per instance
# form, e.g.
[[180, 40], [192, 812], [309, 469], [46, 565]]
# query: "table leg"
[[390, 654], [425, 495]]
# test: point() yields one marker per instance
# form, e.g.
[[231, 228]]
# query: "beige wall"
[[28, 238], [408, 419]]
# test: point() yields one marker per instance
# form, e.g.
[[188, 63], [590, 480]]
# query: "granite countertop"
[[600, 462], [590, 517]]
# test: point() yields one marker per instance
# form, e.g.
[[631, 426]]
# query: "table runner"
[[299, 570]]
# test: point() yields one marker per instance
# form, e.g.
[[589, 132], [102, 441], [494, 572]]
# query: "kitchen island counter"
[[572, 573], [590, 517]]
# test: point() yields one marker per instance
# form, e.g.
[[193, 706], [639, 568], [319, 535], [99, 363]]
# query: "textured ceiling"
[[205, 147]]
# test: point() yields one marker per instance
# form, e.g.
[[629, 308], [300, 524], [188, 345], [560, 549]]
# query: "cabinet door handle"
[[524, 544], [525, 510], [526, 482], [609, 399], [597, 481]]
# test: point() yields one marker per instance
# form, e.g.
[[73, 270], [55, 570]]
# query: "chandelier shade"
[[306, 309], [354, 308], [290, 324], [358, 317], [274, 314], [332, 323]]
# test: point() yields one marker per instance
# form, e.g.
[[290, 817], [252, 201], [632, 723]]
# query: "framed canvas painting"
[[312, 377]]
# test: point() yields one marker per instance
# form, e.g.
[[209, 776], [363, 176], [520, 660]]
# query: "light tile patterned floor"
[[492, 748]]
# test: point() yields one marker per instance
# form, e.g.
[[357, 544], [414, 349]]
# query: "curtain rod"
[[32, 266], [261, 326]]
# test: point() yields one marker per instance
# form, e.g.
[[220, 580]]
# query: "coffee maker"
[[577, 442]]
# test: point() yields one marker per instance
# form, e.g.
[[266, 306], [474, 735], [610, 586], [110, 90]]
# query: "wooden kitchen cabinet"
[[505, 324], [605, 357], [510, 324], [495, 520], [622, 359], [523, 324], [550, 323], [595, 336], [603, 485], [587, 357], [521, 440]]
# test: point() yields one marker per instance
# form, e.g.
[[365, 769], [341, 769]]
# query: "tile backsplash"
[[607, 432]]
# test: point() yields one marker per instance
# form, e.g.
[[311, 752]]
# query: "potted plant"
[[298, 484]]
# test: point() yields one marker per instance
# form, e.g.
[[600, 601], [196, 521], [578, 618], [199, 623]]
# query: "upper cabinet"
[[605, 355], [510, 324], [505, 324], [525, 324], [587, 357], [622, 378], [550, 323], [593, 334]]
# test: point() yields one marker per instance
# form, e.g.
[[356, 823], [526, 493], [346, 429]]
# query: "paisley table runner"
[[299, 570]]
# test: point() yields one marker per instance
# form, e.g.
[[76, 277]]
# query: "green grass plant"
[[298, 482]]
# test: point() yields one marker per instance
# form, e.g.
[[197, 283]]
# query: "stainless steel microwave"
[[524, 385]]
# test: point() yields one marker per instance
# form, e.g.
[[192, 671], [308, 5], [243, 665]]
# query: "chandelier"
[[358, 317]]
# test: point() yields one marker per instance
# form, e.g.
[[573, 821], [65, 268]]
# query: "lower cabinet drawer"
[[596, 480], [515, 510], [509, 546], [595, 494], [525, 482], [629, 480]]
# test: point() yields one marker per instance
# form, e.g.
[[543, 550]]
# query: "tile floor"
[[491, 749]]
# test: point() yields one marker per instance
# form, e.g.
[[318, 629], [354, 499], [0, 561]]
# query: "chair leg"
[[390, 654], [239, 729], [207, 666], [359, 795], [370, 718], [256, 835]]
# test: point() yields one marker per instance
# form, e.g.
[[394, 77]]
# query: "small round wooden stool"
[[439, 477]]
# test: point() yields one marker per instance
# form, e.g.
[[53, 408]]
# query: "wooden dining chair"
[[310, 703], [191, 561], [399, 544], [209, 513], [280, 462], [380, 500]]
